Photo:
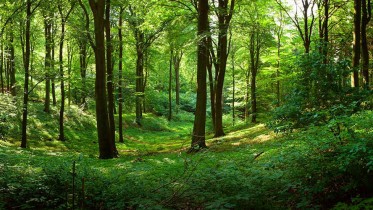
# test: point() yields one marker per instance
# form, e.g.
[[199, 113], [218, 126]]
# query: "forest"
[[186, 104]]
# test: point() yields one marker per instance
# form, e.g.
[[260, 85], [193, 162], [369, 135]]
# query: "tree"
[[304, 22], [178, 55], [110, 82], [106, 147], [64, 18], [120, 75], [198, 138], [366, 16], [48, 14], [356, 52], [224, 14], [170, 85], [144, 38], [12, 67], [26, 63]]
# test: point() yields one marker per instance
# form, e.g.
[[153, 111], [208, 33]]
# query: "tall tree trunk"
[[62, 108], [54, 100], [233, 88], [26, 63], [139, 77], [106, 147], [366, 9], [278, 71], [47, 61], [2, 64], [224, 17], [120, 69], [170, 86], [69, 67], [198, 138], [212, 90], [247, 95], [62, 39], [110, 83], [12, 69], [356, 44], [177, 61], [83, 71]]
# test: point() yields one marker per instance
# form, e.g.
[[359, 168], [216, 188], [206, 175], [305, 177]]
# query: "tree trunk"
[[26, 66], [253, 98], [12, 69], [233, 89], [2, 64], [69, 68], [212, 91], [47, 61], [356, 44], [139, 77], [170, 86], [62, 108], [120, 69], [103, 129], [54, 101], [177, 61], [83, 71], [366, 9], [110, 84], [198, 138]]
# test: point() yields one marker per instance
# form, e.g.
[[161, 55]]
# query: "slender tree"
[[12, 66], [48, 57], [304, 22], [26, 63], [1, 64], [110, 83], [64, 18], [224, 14], [176, 62], [366, 16], [120, 76], [356, 52]]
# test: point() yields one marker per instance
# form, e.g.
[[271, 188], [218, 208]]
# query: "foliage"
[[8, 115], [320, 94], [249, 168]]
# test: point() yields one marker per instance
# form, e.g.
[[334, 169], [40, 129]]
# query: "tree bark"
[[83, 70], [106, 147], [198, 138], [356, 44], [54, 100], [62, 82], [177, 61], [139, 77], [170, 86], [234, 88], [64, 18], [26, 62], [2, 64], [47, 61], [120, 69], [12, 69], [366, 16], [110, 84]]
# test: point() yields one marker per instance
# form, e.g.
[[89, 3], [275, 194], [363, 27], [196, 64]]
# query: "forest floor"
[[250, 168]]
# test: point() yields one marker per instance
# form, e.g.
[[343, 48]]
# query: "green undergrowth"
[[249, 168]]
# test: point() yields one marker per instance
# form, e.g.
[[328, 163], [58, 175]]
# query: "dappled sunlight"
[[256, 134]]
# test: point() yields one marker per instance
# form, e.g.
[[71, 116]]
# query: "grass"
[[249, 168]]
